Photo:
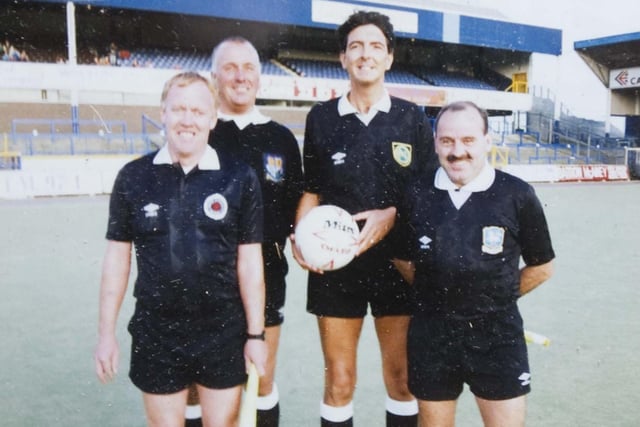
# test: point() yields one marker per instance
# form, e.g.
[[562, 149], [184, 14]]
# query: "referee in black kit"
[[273, 152], [360, 152], [471, 225], [195, 219]]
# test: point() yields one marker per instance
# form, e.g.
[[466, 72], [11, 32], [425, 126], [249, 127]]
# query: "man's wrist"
[[259, 336]]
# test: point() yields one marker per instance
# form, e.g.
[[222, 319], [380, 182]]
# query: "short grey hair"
[[233, 39]]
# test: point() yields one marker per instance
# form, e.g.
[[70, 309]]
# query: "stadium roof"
[[609, 53], [448, 26]]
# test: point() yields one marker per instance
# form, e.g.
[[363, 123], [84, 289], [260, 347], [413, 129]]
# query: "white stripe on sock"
[[269, 401], [193, 412], [336, 414], [402, 408]]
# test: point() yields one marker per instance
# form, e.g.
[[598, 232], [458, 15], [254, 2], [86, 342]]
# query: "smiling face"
[[462, 144], [237, 76], [366, 56], [188, 114]]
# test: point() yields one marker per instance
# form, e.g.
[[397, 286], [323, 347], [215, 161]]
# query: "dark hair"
[[461, 106], [363, 17]]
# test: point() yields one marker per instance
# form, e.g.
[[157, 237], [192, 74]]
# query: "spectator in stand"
[[113, 54], [95, 56], [10, 52]]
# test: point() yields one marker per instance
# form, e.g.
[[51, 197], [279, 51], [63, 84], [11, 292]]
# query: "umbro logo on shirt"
[[338, 158], [425, 242], [151, 210]]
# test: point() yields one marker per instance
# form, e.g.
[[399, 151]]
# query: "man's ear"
[[489, 142], [389, 61]]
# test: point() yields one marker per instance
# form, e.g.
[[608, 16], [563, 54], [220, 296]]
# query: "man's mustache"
[[452, 158]]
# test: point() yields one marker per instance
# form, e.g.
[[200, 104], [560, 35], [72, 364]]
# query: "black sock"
[[193, 422], [394, 420], [345, 423], [268, 417]]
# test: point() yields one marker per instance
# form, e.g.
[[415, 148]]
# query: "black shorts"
[[488, 354], [349, 291], [275, 271], [169, 354]]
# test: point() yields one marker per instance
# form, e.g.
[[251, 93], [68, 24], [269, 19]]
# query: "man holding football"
[[360, 151]]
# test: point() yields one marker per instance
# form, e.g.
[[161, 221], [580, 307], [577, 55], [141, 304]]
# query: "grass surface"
[[50, 272]]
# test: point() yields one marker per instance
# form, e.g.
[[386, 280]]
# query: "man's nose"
[[458, 149], [188, 117], [241, 74]]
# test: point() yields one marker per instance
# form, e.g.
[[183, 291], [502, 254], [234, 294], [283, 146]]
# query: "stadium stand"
[[454, 79], [316, 68], [428, 64]]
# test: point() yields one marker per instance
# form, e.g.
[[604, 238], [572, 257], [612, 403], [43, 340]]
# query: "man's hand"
[[297, 255], [255, 351], [106, 358], [378, 223]]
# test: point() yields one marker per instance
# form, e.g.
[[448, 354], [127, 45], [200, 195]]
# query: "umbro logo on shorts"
[[525, 378]]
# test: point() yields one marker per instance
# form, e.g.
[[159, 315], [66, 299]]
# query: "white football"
[[327, 236]]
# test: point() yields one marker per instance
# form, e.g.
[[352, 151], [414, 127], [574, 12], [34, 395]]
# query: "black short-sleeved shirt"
[[467, 260], [273, 152], [186, 230], [361, 167]]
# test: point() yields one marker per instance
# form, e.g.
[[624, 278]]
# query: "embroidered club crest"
[[273, 167], [401, 153], [492, 240], [215, 206]]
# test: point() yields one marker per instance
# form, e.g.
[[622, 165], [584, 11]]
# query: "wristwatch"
[[259, 336]]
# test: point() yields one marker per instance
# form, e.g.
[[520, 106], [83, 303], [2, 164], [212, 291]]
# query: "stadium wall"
[[79, 175], [80, 85]]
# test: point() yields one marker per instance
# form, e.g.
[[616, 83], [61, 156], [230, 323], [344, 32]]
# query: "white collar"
[[243, 120], [208, 161], [383, 104], [458, 196], [482, 182]]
